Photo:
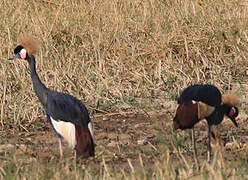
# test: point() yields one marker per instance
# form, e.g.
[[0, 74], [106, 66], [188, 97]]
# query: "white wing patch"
[[66, 130], [90, 127], [194, 102]]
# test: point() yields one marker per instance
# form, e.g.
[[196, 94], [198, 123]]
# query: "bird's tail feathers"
[[30, 43]]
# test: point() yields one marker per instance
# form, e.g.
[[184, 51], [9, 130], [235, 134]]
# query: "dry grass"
[[120, 56]]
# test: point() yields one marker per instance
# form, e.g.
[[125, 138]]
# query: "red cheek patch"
[[232, 112]]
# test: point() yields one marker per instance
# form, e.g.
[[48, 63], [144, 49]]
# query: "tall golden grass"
[[119, 54]]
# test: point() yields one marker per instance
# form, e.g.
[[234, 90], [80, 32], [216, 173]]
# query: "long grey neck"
[[40, 89]]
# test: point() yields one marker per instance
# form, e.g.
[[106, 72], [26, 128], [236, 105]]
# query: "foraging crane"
[[205, 101], [67, 115]]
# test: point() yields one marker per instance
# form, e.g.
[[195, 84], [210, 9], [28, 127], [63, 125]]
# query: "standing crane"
[[67, 115], [204, 101]]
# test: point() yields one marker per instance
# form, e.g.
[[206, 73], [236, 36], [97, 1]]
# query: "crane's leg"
[[209, 144], [60, 148], [194, 145]]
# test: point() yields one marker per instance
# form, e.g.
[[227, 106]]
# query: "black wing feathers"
[[67, 108], [206, 93]]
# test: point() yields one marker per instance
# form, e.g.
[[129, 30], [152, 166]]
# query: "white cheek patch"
[[23, 53], [66, 130]]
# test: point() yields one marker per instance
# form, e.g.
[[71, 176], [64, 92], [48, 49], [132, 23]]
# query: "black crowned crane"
[[67, 115], [204, 101]]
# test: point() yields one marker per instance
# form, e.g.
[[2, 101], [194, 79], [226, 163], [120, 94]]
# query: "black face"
[[18, 49]]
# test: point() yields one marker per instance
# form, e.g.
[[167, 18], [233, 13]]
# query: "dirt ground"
[[135, 135]]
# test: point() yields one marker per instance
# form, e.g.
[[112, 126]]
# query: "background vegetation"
[[128, 61]]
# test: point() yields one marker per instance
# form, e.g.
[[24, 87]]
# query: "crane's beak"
[[16, 56], [234, 121]]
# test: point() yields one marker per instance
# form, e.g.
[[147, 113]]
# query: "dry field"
[[127, 61]]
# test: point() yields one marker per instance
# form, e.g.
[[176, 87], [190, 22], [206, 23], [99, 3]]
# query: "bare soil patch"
[[138, 138]]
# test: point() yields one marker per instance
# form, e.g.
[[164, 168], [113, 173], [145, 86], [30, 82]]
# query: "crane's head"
[[28, 45], [229, 104], [20, 53], [230, 111]]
